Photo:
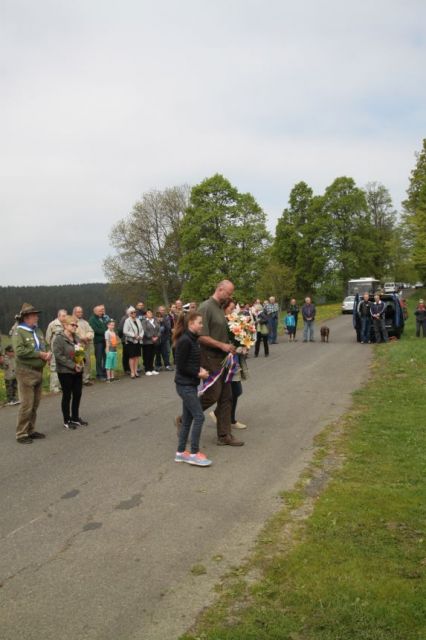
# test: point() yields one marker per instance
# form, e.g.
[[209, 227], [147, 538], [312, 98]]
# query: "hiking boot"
[[25, 440], [198, 459], [230, 441], [182, 456], [36, 435]]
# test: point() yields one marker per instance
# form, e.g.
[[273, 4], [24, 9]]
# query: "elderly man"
[[308, 315], [55, 327], [98, 322], [272, 311], [85, 335], [215, 345], [31, 357]]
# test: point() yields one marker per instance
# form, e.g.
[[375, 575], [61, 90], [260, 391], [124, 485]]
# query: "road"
[[100, 528]]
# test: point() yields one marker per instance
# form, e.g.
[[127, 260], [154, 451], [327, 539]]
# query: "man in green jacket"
[[31, 357], [99, 326]]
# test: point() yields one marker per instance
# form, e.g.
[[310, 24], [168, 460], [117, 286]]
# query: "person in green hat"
[[31, 357]]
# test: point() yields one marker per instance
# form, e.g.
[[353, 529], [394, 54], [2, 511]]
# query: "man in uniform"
[[215, 345], [85, 335], [31, 357], [53, 329]]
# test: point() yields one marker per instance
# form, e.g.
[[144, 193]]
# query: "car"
[[390, 287], [394, 316], [418, 285], [348, 304]]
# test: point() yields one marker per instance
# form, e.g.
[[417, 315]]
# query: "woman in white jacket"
[[133, 334]]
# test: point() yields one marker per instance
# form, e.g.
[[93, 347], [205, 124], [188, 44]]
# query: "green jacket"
[[26, 349], [99, 327]]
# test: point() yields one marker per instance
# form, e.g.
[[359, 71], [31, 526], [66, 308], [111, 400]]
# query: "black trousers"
[[148, 352], [71, 384], [261, 338], [125, 358]]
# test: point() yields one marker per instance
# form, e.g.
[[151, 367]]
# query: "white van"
[[390, 287]]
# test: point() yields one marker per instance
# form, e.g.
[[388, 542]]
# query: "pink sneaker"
[[182, 456], [199, 459]]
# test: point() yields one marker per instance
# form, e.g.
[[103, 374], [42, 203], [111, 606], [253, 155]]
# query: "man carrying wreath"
[[215, 346]]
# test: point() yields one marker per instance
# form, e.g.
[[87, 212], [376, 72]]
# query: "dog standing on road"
[[325, 333]]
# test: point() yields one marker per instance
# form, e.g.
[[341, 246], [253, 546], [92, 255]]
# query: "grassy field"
[[345, 558]]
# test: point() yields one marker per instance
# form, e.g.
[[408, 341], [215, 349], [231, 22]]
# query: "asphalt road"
[[100, 528]]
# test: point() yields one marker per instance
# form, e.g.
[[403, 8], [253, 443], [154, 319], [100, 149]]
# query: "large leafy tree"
[[351, 242], [223, 235], [301, 238], [383, 218], [415, 212], [147, 245]]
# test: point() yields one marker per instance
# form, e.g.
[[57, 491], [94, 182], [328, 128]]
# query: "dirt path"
[[100, 528]]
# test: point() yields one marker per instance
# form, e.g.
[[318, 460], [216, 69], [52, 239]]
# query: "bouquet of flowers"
[[242, 330], [79, 355]]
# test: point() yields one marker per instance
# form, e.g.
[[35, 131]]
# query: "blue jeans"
[[273, 328], [100, 359], [162, 351], [365, 328], [192, 413], [308, 330]]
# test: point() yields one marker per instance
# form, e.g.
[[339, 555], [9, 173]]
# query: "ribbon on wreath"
[[230, 363]]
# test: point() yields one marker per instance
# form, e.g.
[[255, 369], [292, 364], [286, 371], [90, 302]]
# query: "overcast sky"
[[102, 100]]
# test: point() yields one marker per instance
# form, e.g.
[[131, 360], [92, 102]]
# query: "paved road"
[[100, 528]]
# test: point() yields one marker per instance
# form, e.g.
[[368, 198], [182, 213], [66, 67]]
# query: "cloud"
[[101, 102]]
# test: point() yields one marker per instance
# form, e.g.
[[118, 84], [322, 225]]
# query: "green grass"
[[347, 562]]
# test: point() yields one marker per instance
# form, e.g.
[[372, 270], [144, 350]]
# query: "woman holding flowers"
[[69, 357], [242, 332]]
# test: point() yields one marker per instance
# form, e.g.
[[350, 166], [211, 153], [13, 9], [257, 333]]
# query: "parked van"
[[390, 287]]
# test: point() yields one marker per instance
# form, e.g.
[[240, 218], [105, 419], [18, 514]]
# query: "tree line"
[[181, 241], [49, 299]]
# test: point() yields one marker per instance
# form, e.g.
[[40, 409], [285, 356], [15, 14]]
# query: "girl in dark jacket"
[[187, 379]]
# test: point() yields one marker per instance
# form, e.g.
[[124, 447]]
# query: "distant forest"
[[51, 298]]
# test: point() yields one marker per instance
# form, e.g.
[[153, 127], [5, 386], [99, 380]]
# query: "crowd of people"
[[196, 339]]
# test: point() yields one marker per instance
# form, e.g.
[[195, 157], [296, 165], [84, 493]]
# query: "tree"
[[147, 244], [279, 279], [351, 242], [415, 212], [301, 238], [382, 216], [223, 235]]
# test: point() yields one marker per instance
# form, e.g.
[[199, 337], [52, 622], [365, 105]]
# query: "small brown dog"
[[325, 333]]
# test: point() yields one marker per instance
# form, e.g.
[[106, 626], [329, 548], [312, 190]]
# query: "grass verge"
[[345, 558]]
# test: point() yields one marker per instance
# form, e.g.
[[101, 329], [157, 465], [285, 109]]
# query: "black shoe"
[[36, 435], [26, 440], [69, 425], [79, 422]]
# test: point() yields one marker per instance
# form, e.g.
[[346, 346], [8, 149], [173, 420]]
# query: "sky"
[[101, 101]]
